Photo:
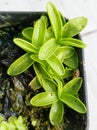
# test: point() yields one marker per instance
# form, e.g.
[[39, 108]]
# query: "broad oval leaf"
[[73, 42], [20, 65], [73, 86], [74, 26], [55, 20], [56, 113], [27, 33], [56, 65], [72, 61], [64, 52], [39, 31], [44, 99], [48, 49], [25, 45], [73, 102], [44, 79]]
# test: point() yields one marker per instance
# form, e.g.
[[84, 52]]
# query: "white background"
[[70, 9]]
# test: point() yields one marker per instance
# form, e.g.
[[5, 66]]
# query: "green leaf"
[[44, 79], [44, 99], [36, 59], [25, 45], [56, 65], [56, 113], [72, 61], [74, 26], [39, 31], [73, 42], [34, 84], [27, 33], [73, 86], [4, 126], [68, 72], [64, 52], [1, 117], [73, 103], [62, 18], [48, 35], [20, 65], [56, 77], [60, 85], [11, 126], [48, 49], [55, 20]]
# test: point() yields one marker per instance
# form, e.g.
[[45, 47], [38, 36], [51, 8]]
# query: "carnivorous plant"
[[50, 47]]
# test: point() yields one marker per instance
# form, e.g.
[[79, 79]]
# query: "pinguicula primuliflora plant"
[[51, 50]]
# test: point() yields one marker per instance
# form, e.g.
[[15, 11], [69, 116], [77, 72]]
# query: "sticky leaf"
[[25, 45], [20, 65], [73, 86], [44, 79], [39, 31], [44, 99], [74, 26], [72, 61], [27, 32], [64, 52], [73, 102], [56, 65], [48, 49], [56, 113], [73, 42], [55, 20]]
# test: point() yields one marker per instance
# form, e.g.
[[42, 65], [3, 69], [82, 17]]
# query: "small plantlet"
[[13, 123], [51, 50]]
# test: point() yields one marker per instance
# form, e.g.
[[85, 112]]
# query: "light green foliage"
[[13, 123], [66, 94], [51, 50]]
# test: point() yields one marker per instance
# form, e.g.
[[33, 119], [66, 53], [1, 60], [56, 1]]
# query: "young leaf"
[[44, 99], [55, 20], [73, 42], [72, 61], [44, 79], [63, 19], [20, 65], [74, 26], [25, 45], [73, 103], [73, 86], [39, 31], [4, 126], [64, 52], [48, 35], [56, 113], [34, 84], [27, 33], [68, 72], [36, 59], [56, 77], [56, 65], [48, 49], [60, 85]]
